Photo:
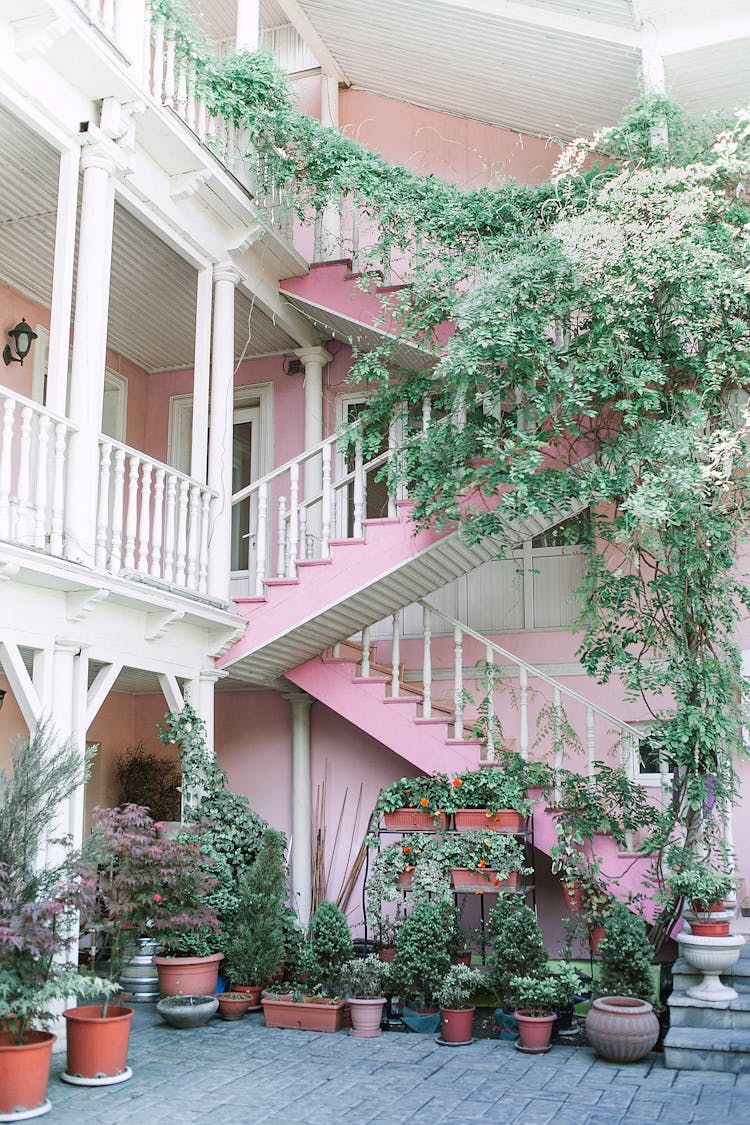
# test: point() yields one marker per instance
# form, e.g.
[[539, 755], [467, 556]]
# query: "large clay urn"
[[620, 1029]]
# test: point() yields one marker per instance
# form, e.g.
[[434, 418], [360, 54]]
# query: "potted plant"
[[490, 799], [484, 860], [516, 947], [256, 943], [36, 924], [313, 1002], [366, 981], [422, 960], [456, 1013], [705, 889], [415, 803], [537, 1000], [621, 1024]]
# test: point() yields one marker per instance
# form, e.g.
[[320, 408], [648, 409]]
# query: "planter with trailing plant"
[[705, 889], [36, 920], [314, 1001], [366, 981], [538, 1000], [621, 1024], [454, 996], [489, 861], [491, 799], [415, 804], [256, 945]]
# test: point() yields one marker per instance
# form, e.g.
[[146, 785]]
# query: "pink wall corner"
[[12, 725]]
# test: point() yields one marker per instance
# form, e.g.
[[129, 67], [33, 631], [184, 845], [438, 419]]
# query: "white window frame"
[[180, 425], [117, 384]]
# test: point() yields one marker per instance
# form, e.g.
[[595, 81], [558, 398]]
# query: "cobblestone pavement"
[[228, 1073]]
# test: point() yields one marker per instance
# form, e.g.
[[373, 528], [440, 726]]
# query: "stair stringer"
[[365, 705]]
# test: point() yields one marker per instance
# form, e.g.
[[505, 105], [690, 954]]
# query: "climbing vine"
[[600, 358]]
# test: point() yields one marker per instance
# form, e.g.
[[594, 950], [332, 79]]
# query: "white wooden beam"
[[172, 692], [20, 683], [297, 16], [694, 35], [548, 20], [103, 683], [157, 624]]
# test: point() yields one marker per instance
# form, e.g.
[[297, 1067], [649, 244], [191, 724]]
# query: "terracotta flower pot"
[[309, 1016], [456, 1024], [710, 929], [386, 953], [463, 959], [252, 991], [620, 1029], [481, 879], [414, 820], [504, 820], [535, 1032], [233, 1005], [188, 976], [405, 879], [596, 936], [97, 1049], [366, 1017], [24, 1072]]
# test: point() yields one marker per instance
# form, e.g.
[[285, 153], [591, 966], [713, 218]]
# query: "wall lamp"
[[22, 337], [2, 697]]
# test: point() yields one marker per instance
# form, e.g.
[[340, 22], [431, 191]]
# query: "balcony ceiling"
[[554, 68], [152, 295]]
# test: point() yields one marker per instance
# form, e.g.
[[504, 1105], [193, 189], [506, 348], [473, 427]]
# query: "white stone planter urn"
[[711, 956]]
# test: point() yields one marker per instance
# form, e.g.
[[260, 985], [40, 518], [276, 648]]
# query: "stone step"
[[684, 976], [724, 1015], [707, 1048]]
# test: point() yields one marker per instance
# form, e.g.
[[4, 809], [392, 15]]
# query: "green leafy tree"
[[626, 957], [330, 947], [516, 947], [423, 951], [256, 943]]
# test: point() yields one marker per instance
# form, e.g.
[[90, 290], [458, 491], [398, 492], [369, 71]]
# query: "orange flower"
[[481, 863], [424, 802], [409, 867], [495, 882], [486, 843], [458, 783], [406, 850]]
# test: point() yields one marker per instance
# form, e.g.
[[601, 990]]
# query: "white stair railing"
[[33, 455], [572, 720], [151, 519]]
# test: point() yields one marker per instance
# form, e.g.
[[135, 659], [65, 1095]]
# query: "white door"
[[245, 469]]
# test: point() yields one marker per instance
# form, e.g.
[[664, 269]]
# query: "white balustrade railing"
[[297, 511], [151, 519], [33, 452], [102, 13], [570, 721]]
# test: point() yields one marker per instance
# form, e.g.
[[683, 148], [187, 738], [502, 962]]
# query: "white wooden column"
[[203, 691], [314, 360], [89, 350], [247, 35], [62, 281], [221, 434], [329, 116], [68, 710], [301, 806], [201, 375]]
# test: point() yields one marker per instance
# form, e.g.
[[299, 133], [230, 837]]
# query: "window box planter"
[[504, 820], [474, 879], [414, 820], [303, 1015]]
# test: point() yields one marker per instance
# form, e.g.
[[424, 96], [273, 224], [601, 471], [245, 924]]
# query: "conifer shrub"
[[423, 952], [330, 947], [626, 957], [516, 948], [256, 944]]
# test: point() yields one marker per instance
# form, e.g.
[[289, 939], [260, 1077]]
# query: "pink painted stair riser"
[[504, 820]]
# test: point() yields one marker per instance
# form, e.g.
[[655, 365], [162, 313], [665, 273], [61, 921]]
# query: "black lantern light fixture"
[[23, 337]]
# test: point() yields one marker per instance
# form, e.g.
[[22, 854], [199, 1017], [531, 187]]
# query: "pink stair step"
[[256, 599], [347, 542], [281, 581], [381, 521], [402, 699], [371, 679], [314, 562]]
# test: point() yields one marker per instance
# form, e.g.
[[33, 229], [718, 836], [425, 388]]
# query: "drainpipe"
[[301, 806]]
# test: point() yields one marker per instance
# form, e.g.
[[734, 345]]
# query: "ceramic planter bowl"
[[620, 1029], [711, 956], [187, 1011]]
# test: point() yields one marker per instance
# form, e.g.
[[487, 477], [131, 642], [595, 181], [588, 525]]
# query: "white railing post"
[[523, 713], [281, 559], [557, 742], [58, 489], [131, 522], [426, 662], [23, 530], [203, 556], [665, 782], [118, 502], [358, 491], [325, 533], [158, 526], [144, 521], [392, 448], [489, 659], [590, 743], [458, 682], [102, 518], [157, 71], [395, 656], [170, 522], [182, 523], [364, 668], [9, 410], [291, 569], [629, 760], [260, 540], [169, 68], [302, 547], [194, 508], [42, 481]]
